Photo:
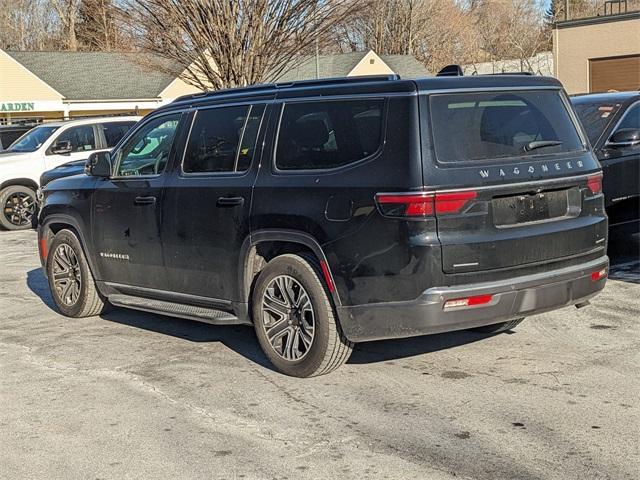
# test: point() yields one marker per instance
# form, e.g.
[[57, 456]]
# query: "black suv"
[[331, 212], [612, 123]]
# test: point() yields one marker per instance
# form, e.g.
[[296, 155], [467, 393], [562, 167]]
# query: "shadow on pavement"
[[624, 255], [242, 339]]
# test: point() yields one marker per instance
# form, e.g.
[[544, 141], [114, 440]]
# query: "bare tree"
[[67, 11], [436, 32], [98, 26], [220, 43], [28, 25]]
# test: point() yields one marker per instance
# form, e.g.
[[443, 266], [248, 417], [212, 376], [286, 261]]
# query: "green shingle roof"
[[96, 75], [127, 76]]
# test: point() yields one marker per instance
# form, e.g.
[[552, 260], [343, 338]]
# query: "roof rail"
[[227, 91], [508, 73], [338, 80], [451, 71], [273, 86]]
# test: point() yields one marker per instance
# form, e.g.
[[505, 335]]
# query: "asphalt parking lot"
[[135, 395]]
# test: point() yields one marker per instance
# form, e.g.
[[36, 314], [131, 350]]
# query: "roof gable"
[[19, 83], [96, 75]]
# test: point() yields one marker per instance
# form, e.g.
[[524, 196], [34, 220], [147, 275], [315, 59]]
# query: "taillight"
[[406, 205], [453, 202], [594, 182], [423, 204]]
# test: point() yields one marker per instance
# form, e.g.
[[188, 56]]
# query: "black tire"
[[499, 327], [328, 347], [72, 267], [19, 205]]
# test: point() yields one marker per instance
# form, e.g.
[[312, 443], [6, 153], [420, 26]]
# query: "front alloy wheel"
[[67, 279]]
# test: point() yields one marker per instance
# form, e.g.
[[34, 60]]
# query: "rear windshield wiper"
[[541, 144]]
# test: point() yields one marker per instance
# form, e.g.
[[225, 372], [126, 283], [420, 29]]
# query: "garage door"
[[617, 73]]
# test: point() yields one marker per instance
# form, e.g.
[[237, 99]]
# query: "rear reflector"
[[423, 204], [598, 275], [43, 248], [327, 276], [474, 301], [594, 182]]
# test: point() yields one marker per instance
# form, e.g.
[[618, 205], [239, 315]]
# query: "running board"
[[201, 314]]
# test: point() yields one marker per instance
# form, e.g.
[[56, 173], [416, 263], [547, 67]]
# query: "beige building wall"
[[371, 64], [177, 88], [574, 46], [17, 84]]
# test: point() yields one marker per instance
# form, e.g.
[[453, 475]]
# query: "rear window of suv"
[[497, 125]]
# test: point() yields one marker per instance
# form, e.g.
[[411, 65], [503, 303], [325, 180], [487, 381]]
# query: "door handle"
[[144, 201], [230, 201]]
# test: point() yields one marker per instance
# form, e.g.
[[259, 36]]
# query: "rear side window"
[[479, 126], [223, 139], [114, 131], [323, 135]]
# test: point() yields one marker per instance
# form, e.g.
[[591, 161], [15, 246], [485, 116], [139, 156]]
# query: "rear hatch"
[[516, 183]]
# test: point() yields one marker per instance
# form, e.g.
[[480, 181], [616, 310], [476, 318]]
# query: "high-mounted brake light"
[[474, 301], [423, 204], [594, 182]]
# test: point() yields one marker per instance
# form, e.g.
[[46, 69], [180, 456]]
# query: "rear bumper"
[[512, 298]]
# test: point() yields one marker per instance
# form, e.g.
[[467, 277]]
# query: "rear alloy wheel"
[[18, 207], [294, 318], [499, 327], [70, 280]]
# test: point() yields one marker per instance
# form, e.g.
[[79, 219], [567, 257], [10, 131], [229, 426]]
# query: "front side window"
[[81, 138], [223, 139], [631, 118], [32, 140], [114, 131], [497, 125], [147, 151], [324, 135]]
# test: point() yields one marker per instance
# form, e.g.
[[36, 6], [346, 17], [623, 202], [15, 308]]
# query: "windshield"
[[595, 117], [497, 125], [32, 140]]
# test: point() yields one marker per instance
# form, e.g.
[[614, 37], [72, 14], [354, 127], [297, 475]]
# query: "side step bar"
[[201, 314]]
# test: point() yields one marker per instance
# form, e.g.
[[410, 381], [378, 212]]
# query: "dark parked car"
[[10, 133], [612, 122], [331, 212], [65, 170]]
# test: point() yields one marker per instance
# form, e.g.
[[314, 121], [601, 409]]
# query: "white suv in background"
[[45, 147]]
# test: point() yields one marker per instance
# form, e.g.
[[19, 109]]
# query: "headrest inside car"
[[311, 133]]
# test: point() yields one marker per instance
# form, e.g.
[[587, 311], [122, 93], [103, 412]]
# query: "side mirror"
[[625, 137], [62, 147], [98, 165]]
